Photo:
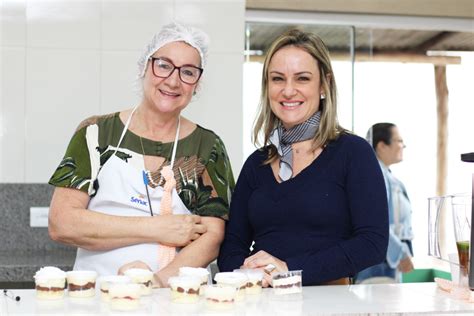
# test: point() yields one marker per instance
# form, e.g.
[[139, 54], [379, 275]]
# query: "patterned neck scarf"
[[282, 139]]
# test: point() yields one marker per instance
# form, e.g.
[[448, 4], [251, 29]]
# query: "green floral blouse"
[[203, 174]]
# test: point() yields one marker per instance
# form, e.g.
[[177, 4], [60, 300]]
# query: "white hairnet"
[[175, 32]]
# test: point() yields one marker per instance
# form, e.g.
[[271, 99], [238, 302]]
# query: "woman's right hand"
[[178, 230], [262, 259]]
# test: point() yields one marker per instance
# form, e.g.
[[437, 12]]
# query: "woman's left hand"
[[260, 260]]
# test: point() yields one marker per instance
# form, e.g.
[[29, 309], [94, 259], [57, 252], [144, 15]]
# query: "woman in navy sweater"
[[313, 197]]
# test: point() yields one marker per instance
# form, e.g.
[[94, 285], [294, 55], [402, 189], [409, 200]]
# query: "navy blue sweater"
[[330, 221]]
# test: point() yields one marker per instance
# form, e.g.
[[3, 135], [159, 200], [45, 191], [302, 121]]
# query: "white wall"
[[62, 61]]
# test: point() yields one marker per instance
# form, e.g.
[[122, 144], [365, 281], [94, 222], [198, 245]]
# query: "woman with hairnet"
[[146, 183]]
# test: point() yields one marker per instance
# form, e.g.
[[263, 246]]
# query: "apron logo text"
[[138, 200]]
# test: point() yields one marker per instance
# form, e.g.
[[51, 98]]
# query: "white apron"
[[122, 192]]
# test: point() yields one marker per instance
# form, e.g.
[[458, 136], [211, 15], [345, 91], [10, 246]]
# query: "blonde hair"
[[266, 121]]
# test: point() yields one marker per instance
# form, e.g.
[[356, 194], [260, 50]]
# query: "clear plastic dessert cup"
[[287, 282], [50, 283], [184, 289], [220, 296], [233, 279], [254, 280], [107, 281], [124, 296], [201, 273], [143, 277], [81, 283]]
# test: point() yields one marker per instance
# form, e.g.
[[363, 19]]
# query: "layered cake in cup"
[[220, 296], [233, 279], [143, 277], [184, 289], [287, 282], [81, 283], [254, 280], [106, 281], [50, 283], [201, 273], [124, 296]]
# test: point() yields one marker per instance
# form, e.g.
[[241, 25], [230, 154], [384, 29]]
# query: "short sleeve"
[[218, 176], [74, 170]]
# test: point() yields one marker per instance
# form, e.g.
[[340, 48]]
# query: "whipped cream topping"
[[49, 272], [234, 278]]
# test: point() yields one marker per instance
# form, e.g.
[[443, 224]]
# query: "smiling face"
[[170, 95], [294, 87]]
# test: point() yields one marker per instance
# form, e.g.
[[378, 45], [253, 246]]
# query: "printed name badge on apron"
[[123, 193]]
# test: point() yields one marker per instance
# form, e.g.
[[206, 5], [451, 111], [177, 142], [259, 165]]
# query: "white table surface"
[[387, 299]]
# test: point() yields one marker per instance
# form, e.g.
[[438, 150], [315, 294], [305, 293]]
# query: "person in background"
[[388, 145], [313, 197], [145, 182]]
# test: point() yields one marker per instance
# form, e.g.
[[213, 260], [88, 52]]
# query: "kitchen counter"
[[21, 266], [387, 299]]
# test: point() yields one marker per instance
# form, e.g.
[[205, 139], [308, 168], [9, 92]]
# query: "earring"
[[323, 96]]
